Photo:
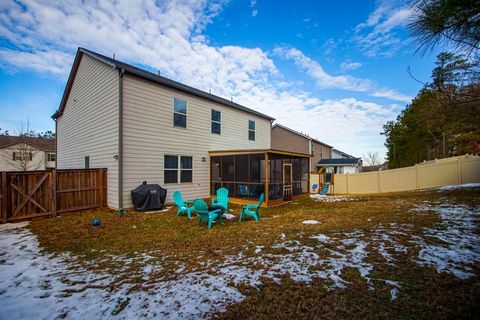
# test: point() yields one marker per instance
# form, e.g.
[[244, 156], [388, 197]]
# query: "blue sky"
[[336, 70]]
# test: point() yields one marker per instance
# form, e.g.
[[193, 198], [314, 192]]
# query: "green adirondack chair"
[[183, 205], [252, 210], [221, 199], [201, 210]]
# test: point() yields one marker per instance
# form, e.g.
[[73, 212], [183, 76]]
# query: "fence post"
[[346, 182], [459, 170], [3, 194], [416, 177], [101, 189], [379, 184], [53, 175]]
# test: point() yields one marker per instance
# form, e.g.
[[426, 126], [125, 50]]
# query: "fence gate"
[[31, 194]]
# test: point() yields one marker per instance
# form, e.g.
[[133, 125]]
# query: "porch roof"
[[254, 151]]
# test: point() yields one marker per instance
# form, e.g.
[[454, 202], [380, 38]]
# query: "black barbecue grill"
[[147, 197]]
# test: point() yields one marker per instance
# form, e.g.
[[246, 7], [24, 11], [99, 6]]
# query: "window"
[[179, 113], [22, 156], [216, 122], [321, 152], [251, 130], [87, 162], [173, 173], [51, 157], [186, 169]]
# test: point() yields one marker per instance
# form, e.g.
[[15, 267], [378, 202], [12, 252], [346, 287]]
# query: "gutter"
[[120, 140]]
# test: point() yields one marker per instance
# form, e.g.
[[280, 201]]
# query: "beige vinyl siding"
[[289, 141], [89, 123], [149, 134], [317, 156], [6, 158]]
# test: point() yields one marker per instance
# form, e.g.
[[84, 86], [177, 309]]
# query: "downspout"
[[120, 141]]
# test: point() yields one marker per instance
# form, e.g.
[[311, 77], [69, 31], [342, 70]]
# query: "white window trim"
[[21, 156], [254, 130], [213, 121], [183, 114], [178, 169]]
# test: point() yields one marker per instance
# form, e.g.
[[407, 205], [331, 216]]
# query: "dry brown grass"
[[425, 293]]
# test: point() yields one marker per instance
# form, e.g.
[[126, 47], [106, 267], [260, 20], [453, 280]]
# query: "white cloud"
[[42, 61], [377, 37], [345, 66], [346, 82], [253, 5], [392, 94], [42, 36], [324, 80]]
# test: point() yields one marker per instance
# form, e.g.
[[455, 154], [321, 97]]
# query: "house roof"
[[343, 153], [253, 151], [300, 134], [47, 145], [337, 162], [148, 76]]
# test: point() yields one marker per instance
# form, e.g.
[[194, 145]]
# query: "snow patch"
[[311, 222], [229, 216], [459, 186], [329, 198]]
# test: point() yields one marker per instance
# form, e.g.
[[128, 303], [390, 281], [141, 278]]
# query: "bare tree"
[[372, 158], [24, 156]]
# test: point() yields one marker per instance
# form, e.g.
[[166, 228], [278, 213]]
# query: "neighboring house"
[[26, 154], [284, 138], [337, 154], [145, 127], [341, 162], [378, 167]]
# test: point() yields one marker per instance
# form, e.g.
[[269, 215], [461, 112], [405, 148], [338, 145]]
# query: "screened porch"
[[281, 176]]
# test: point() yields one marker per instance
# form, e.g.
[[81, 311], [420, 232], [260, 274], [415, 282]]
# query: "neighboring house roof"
[[148, 76], [338, 162], [301, 134], [343, 154], [47, 145]]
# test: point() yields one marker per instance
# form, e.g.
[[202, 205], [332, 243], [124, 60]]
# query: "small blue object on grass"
[[96, 222]]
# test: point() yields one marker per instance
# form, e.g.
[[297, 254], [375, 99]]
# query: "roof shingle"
[[39, 143]]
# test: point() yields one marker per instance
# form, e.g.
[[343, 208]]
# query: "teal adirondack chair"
[[183, 205], [252, 210], [201, 210], [221, 199]]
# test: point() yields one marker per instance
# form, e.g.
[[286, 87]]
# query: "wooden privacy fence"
[[30, 194], [448, 171]]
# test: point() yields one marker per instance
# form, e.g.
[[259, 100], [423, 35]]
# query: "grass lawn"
[[406, 255]]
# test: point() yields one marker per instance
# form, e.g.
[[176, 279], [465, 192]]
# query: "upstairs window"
[[251, 130], [179, 113], [22, 156], [51, 157], [216, 122]]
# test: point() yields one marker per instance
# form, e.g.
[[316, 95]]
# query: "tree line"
[[443, 120]]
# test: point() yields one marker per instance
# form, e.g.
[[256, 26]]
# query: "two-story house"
[[26, 153], [145, 127], [284, 138]]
